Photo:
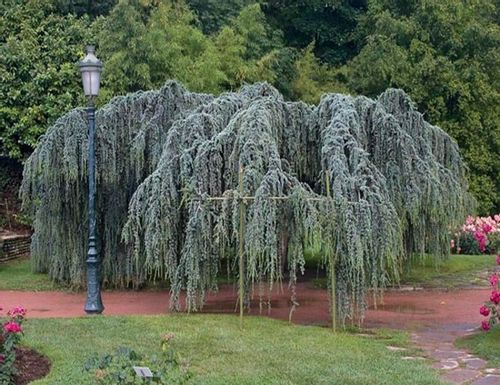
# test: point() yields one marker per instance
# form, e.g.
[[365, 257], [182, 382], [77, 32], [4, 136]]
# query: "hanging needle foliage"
[[169, 194]]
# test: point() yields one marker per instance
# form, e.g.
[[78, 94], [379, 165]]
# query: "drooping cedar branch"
[[396, 184]]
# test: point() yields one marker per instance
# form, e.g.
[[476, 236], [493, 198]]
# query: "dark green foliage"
[[92, 8], [143, 46], [285, 71], [117, 368], [396, 185], [445, 55], [212, 15], [331, 24], [39, 79]]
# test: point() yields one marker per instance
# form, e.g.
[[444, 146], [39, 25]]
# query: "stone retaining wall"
[[14, 246]]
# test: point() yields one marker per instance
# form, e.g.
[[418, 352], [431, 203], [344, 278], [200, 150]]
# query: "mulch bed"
[[30, 366]]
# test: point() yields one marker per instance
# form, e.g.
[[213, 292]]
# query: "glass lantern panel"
[[91, 80]]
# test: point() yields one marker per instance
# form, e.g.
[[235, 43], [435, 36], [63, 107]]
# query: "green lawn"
[[485, 345], [217, 352], [17, 275], [456, 271]]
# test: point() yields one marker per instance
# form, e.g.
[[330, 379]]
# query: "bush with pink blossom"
[[491, 308], [10, 335], [477, 236]]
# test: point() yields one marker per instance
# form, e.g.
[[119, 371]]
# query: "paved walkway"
[[435, 318]]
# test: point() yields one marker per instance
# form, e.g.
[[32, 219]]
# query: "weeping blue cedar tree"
[[396, 185]]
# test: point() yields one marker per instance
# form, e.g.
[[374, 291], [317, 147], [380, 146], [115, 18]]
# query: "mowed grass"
[[217, 352], [484, 344], [17, 275], [453, 272]]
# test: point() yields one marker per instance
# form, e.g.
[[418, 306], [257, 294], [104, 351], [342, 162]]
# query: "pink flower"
[[483, 310], [487, 228], [478, 235], [495, 297], [485, 325], [494, 280], [17, 312], [452, 243], [12, 327], [497, 218]]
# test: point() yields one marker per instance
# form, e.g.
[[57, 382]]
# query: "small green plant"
[[117, 368], [10, 336]]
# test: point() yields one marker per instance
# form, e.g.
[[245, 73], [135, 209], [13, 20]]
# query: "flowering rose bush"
[[10, 335], [491, 308], [478, 235]]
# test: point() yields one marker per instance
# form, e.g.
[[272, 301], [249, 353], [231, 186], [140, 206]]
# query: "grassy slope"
[[485, 345], [456, 271], [266, 352], [17, 275]]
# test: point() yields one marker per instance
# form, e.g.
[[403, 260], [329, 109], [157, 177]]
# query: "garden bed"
[[30, 366]]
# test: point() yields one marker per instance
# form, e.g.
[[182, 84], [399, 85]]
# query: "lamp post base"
[[93, 305]]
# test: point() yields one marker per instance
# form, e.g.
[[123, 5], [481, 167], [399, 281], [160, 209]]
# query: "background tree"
[[39, 50], [330, 23], [144, 52], [313, 78], [92, 8], [445, 55], [212, 15]]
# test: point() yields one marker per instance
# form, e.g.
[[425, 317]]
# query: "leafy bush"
[[477, 236], [491, 308], [117, 368], [10, 336]]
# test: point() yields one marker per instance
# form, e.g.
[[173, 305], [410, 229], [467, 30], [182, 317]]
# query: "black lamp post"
[[91, 67]]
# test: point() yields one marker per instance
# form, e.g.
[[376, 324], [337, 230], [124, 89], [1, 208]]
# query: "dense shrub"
[[479, 235], [10, 336]]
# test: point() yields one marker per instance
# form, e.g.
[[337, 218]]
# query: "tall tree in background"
[[212, 15], [143, 52], [314, 78], [330, 23], [39, 80], [445, 55], [92, 8]]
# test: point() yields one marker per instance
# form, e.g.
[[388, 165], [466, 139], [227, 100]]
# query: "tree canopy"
[[39, 78], [443, 54], [364, 182]]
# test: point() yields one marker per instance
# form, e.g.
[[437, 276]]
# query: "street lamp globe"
[[91, 68]]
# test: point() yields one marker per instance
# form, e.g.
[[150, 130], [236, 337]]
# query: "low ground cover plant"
[[118, 368], [11, 333]]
